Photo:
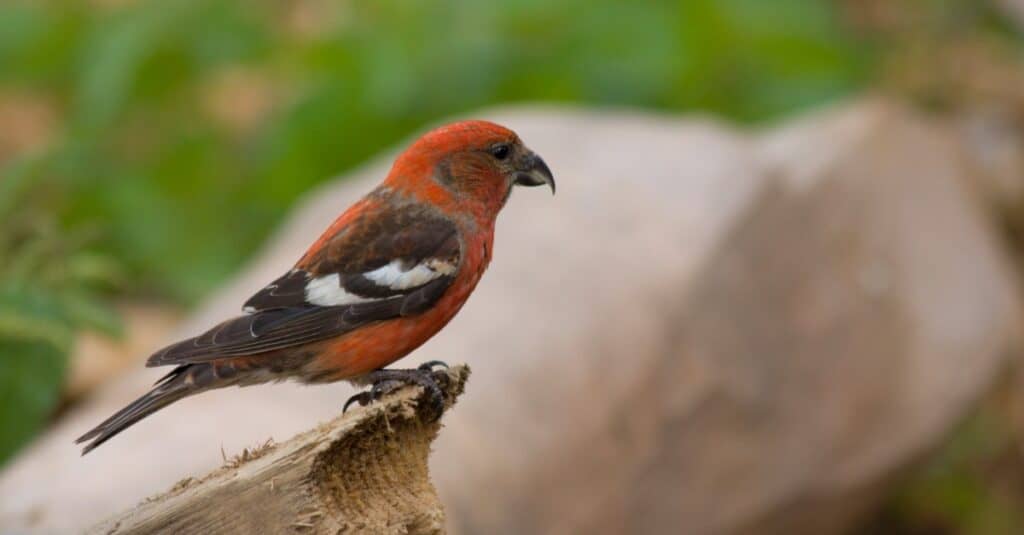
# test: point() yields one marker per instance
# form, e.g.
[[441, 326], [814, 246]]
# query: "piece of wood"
[[365, 471]]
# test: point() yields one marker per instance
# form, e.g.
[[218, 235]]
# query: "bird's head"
[[470, 165]]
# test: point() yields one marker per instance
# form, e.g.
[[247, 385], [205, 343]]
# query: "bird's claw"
[[387, 381], [363, 398], [428, 366]]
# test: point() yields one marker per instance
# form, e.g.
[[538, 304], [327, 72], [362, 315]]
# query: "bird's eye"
[[501, 151]]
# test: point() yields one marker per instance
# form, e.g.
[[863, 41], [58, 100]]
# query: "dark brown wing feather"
[[371, 242], [281, 328], [279, 315]]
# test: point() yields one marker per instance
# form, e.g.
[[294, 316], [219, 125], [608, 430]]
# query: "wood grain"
[[365, 471]]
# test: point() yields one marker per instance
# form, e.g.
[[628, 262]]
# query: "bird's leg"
[[386, 381]]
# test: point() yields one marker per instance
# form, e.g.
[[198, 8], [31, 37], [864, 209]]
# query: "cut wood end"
[[365, 470]]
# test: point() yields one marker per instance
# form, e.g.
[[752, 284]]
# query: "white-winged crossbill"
[[386, 276]]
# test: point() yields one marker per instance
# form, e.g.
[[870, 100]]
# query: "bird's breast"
[[378, 345]]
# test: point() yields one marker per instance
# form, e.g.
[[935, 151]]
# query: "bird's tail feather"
[[181, 382]]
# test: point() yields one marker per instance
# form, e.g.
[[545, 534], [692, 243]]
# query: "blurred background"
[[148, 148]]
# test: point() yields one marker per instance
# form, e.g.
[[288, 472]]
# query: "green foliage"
[[34, 339], [183, 198], [50, 286]]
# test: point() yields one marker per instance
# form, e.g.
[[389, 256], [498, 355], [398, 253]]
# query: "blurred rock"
[[97, 358], [704, 332], [993, 139]]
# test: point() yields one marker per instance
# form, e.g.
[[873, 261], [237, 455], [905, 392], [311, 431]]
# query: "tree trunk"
[[365, 471]]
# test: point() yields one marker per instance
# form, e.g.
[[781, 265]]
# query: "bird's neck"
[[482, 209]]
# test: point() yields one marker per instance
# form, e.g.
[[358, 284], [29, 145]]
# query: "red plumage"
[[386, 276]]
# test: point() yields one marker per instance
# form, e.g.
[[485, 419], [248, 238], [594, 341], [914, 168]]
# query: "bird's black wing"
[[392, 264]]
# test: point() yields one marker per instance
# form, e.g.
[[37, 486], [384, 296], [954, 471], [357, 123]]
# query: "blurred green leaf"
[[50, 287], [85, 311], [35, 336], [29, 388]]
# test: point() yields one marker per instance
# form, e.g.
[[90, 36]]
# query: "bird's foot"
[[387, 381]]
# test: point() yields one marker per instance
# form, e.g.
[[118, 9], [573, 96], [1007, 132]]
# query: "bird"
[[389, 273]]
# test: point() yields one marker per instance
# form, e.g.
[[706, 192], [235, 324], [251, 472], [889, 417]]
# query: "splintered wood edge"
[[363, 470]]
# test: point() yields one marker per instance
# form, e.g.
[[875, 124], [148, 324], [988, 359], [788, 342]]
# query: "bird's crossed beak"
[[534, 172]]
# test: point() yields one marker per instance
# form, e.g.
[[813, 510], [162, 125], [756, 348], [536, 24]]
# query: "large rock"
[[705, 332]]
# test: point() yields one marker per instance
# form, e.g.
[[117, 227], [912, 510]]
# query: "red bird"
[[386, 276]]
